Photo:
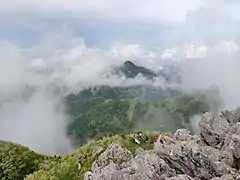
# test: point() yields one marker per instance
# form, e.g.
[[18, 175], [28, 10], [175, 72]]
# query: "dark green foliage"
[[104, 110], [108, 117], [67, 167], [17, 161], [168, 115]]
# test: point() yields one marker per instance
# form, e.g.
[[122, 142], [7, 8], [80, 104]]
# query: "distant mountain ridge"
[[114, 114], [170, 74], [130, 70], [104, 110]]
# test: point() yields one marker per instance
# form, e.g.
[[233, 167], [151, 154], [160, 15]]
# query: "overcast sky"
[[101, 22], [169, 11]]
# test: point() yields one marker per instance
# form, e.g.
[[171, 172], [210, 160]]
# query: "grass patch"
[[66, 168]]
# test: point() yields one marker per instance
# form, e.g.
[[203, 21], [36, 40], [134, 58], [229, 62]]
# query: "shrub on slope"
[[17, 161], [67, 168], [122, 116], [109, 117]]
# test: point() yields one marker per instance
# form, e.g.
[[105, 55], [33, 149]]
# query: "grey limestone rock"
[[212, 154], [180, 177]]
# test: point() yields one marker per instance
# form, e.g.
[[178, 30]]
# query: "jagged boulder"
[[145, 165], [223, 132], [231, 116], [213, 129], [113, 153], [212, 154], [180, 177], [97, 150], [224, 177], [189, 157], [182, 135]]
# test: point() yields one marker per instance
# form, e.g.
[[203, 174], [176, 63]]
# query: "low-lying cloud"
[[32, 114], [204, 45], [31, 106]]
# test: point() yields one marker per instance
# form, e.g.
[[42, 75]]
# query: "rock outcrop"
[[213, 154]]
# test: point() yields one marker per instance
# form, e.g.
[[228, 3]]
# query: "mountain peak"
[[130, 70], [127, 63]]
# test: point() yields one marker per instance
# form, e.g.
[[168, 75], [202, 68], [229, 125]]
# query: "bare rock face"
[[180, 177], [224, 177], [97, 150], [182, 135], [213, 154], [113, 153], [145, 165], [213, 129], [232, 116], [188, 157]]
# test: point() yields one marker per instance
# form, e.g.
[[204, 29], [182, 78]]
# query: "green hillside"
[[17, 161], [66, 168], [103, 110], [102, 115], [110, 116]]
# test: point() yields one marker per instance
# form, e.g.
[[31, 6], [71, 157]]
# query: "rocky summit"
[[212, 154]]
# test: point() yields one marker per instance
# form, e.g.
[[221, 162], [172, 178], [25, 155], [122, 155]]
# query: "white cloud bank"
[[39, 121], [201, 51], [206, 65], [167, 11], [60, 60]]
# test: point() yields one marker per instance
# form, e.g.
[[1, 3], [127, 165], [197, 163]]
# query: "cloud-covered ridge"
[[205, 44]]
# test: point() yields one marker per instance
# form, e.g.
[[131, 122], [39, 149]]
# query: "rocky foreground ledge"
[[212, 154]]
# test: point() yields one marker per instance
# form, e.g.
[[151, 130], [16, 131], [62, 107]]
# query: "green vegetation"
[[17, 161], [110, 116], [103, 115], [67, 168], [104, 110]]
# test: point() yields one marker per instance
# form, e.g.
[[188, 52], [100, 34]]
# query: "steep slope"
[[110, 116], [17, 161], [130, 70], [94, 109], [76, 164], [212, 154], [169, 73], [104, 110]]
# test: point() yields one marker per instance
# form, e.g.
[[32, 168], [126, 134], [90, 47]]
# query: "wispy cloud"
[[37, 118], [202, 36]]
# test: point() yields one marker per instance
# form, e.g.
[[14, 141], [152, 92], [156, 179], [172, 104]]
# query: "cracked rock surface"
[[212, 154]]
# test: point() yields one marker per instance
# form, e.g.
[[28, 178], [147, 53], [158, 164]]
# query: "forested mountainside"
[[103, 110], [212, 154], [105, 120]]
